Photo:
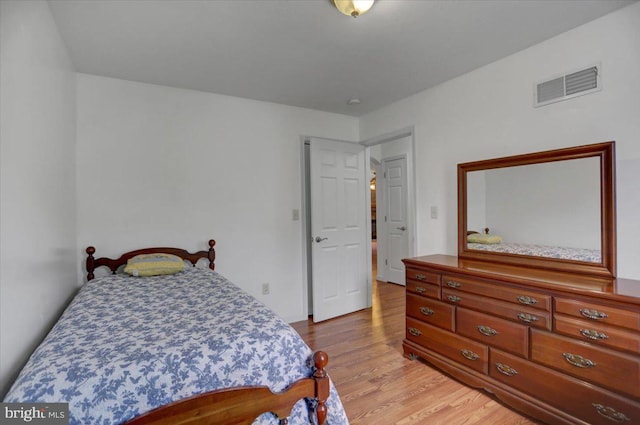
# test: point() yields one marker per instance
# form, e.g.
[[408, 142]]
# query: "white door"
[[397, 232], [338, 228]]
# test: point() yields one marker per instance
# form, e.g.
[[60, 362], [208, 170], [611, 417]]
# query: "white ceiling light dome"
[[353, 8]]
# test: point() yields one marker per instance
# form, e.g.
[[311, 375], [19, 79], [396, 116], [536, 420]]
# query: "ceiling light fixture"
[[353, 8]]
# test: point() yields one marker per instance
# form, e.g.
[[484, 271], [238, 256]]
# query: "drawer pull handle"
[[453, 284], [426, 311], [593, 334], [468, 354], [453, 298], [578, 361], [421, 277], [506, 370], [610, 413], [420, 289], [487, 331], [527, 318], [593, 314], [523, 299], [415, 332]]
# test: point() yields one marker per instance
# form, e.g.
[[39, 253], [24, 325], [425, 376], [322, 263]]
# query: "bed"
[[186, 348]]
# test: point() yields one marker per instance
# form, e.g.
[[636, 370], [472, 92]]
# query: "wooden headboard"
[[113, 264]]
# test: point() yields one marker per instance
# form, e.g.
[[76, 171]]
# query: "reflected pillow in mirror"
[[485, 239], [154, 265]]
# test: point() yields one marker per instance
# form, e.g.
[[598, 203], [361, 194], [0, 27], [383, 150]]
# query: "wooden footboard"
[[239, 406]]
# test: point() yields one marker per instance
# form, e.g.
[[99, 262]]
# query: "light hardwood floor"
[[378, 385]]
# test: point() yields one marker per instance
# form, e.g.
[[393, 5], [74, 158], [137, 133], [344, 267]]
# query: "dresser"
[[561, 347]]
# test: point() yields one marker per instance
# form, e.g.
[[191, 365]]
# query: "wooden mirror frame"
[[606, 152]]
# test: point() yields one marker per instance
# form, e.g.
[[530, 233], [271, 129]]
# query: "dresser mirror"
[[552, 210]]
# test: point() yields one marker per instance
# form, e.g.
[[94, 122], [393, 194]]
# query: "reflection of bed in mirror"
[[494, 243], [557, 252]]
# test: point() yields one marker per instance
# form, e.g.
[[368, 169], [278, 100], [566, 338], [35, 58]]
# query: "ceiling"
[[304, 52]]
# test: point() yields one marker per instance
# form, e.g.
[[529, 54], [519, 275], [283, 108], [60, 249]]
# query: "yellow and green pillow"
[[483, 238], [154, 265]]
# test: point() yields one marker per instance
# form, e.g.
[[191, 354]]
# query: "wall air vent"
[[568, 86]]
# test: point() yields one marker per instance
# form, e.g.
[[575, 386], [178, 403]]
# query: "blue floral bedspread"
[[126, 345], [564, 253]]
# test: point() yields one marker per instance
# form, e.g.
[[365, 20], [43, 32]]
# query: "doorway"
[[391, 157], [396, 144], [395, 212], [375, 168]]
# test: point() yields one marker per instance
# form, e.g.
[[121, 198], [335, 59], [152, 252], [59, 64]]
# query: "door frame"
[[384, 225], [305, 213], [411, 194]]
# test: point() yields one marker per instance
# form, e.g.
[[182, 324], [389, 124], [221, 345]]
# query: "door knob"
[[319, 239], [401, 228]]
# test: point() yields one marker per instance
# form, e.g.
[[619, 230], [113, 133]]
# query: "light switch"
[[434, 212], [295, 214]]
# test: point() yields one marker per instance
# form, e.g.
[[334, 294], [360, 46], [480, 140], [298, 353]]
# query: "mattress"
[[126, 345]]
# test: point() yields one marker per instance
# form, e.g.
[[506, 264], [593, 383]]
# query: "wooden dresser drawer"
[[517, 313], [611, 369], [598, 333], [591, 404], [493, 331], [424, 289], [493, 290], [431, 311], [423, 276], [599, 313], [466, 352]]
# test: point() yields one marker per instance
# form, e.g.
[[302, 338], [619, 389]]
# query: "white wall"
[[38, 257], [554, 203], [162, 166], [488, 113]]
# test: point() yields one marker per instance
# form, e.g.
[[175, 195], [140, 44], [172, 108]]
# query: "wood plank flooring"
[[379, 386]]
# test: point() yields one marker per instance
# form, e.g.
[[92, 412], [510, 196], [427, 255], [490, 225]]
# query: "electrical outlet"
[[434, 212], [266, 289]]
